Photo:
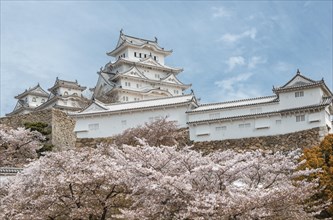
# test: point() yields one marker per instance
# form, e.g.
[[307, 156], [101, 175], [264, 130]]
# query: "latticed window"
[[300, 118]]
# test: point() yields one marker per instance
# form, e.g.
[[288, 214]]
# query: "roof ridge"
[[145, 100], [138, 38], [239, 100]]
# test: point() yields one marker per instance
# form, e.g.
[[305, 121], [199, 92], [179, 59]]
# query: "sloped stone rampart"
[[62, 135], [290, 141], [92, 142]]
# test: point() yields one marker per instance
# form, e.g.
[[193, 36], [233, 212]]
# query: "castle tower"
[[29, 100], [138, 72]]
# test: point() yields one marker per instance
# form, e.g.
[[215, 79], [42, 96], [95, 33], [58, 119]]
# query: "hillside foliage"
[[321, 157]]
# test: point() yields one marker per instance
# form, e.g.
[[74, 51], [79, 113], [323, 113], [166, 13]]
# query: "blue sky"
[[228, 49]]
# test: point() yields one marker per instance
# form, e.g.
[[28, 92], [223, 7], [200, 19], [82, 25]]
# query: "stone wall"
[[301, 139], [62, 136], [92, 142]]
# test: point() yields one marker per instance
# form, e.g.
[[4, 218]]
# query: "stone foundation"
[[62, 126], [285, 142], [92, 142]]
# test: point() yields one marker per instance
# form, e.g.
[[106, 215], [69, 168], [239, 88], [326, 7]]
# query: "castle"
[[64, 95], [137, 87]]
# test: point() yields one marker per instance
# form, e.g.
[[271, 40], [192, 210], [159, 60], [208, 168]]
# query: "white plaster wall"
[[38, 100], [108, 125], [231, 112], [233, 130], [129, 53], [69, 91], [311, 96]]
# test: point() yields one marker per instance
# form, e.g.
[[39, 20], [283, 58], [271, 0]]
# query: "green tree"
[[44, 129]]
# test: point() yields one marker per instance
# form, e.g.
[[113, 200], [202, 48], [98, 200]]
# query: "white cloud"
[[219, 12], [235, 61], [234, 88], [256, 60], [282, 67], [231, 38]]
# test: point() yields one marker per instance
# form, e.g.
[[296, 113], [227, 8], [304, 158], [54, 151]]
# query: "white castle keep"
[[137, 87]]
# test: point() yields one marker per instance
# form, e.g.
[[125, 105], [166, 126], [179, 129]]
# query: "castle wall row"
[[63, 137], [285, 142]]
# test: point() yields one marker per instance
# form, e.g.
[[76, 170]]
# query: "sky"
[[228, 49]]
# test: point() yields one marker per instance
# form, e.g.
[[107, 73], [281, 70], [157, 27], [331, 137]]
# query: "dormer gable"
[[171, 78], [95, 107], [300, 82], [134, 72], [36, 91], [150, 61]]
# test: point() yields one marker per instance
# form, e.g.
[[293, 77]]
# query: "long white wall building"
[[298, 105], [105, 120]]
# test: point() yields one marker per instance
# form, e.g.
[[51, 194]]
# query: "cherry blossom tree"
[[18, 146], [156, 133], [83, 184], [145, 182]]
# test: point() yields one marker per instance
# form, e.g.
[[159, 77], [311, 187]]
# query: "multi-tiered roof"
[[138, 72]]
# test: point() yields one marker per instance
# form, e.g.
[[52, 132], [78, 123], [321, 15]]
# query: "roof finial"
[[298, 72], [156, 39], [121, 31]]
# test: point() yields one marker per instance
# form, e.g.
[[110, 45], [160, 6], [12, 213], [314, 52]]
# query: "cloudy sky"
[[228, 49]]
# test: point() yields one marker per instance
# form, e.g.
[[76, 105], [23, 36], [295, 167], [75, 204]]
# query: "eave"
[[157, 82], [299, 110], [148, 66], [276, 100], [126, 44]]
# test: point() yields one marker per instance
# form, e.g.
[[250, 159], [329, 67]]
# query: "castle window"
[[299, 94], [93, 127], [300, 118], [123, 122], [75, 93], [43, 100], [65, 93], [221, 128], [140, 55], [135, 54], [245, 125], [145, 55], [34, 99], [155, 58], [278, 122]]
